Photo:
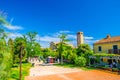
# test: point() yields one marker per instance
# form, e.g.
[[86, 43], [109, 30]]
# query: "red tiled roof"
[[108, 40]]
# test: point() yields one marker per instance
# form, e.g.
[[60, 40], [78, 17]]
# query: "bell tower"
[[80, 38]]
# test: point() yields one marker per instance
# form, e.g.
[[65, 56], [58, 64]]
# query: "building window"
[[99, 48]]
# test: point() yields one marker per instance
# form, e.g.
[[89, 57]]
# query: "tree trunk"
[[61, 59], [21, 64]]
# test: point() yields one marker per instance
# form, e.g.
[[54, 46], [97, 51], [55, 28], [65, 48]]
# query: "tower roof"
[[79, 32]]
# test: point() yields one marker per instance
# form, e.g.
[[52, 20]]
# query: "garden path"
[[60, 73]]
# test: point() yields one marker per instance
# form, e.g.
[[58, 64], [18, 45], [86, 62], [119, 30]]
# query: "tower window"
[[99, 48]]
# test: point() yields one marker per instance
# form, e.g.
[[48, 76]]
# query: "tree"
[[31, 38], [72, 56], [11, 47], [82, 49], [2, 18], [80, 61], [63, 40], [5, 55], [18, 42], [36, 49], [85, 51], [20, 51], [46, 52], [3, 21], [3, 34]]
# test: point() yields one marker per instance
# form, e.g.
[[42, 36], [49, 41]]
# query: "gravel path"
[[48, 70], [60, 73]]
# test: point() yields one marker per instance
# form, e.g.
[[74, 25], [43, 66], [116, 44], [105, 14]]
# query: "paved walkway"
[[60, 73]]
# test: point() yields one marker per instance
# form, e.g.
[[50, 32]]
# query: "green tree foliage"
[[31, 38], [82, 49], [61, 47], [5, 60], [72, 56], [36, 50], [3, 21], [11, 47], [3, 18], [85, 51], [3, 34], [18, 43], [80, 61], [5, 55], [47, 52]]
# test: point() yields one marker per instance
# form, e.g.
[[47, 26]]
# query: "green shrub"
[[14, 75], [80, 61]]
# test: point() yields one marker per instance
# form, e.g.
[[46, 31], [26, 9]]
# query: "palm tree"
[[20, 51]]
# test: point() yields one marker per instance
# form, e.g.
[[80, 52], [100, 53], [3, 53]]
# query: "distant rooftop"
[[56, 43]]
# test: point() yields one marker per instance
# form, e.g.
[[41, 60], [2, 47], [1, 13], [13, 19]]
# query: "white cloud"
[[75, 37], [90, 41], [64, 31], [87, 37], [71, 36], [14, 35], [48, 39], [13, 27], [44, 44]]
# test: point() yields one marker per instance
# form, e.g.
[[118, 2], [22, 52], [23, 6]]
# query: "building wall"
[[105, 47]]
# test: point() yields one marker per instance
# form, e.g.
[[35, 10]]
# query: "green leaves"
[[31, 36], [18, 43], [105, 55], [62, 46], [83, 49], [33, 47], [2, 20], [80, 61], [5, 56]]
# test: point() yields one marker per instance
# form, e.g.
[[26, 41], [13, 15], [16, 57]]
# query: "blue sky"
[[96, 18]]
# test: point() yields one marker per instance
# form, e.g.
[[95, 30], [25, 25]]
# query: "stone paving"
[[60, 73]]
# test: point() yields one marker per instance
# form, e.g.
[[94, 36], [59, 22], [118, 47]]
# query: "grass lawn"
[[15, 71], [74, 66]]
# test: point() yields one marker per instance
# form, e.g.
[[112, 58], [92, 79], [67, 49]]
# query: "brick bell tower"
[[80, 38]]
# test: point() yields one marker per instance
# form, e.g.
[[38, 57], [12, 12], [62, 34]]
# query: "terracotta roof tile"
[[108, 40]]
